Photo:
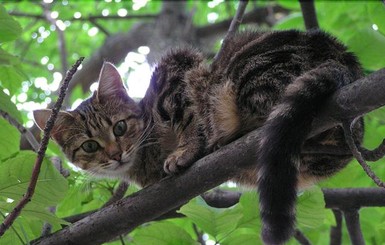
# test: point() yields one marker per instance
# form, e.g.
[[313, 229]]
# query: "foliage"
[[30, 70]]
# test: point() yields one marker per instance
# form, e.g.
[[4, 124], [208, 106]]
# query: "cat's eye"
[[120, 128], [90, 146]]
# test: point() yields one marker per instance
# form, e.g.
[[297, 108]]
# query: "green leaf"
[[9, 28], [7, 58], [9, 107], [244, 237], [31, 210], [11, 78], [15, 174], [292, 21], [17, 234], [294, 5], [163, 233], [217, 223], [311, 208], [376, 14], [9, 139], [365, 44], [201, 216], [250, 209]]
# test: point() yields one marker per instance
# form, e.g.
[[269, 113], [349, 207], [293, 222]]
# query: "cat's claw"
[[177, 161]]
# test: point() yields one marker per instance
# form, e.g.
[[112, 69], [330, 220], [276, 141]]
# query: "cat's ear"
[[110, 83], [64, 118]]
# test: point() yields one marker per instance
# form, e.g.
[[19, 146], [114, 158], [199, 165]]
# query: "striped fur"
[[276, 81]]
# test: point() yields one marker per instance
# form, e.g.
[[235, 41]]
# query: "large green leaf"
[[292, 21], [250, 209], [15, 174], [9, 28], [7, 58], [9, 139], [311, 210], [376, 14], [368, 45], [11, 78], [18, 234], [201, 216], [217, 223], [9, 107], [163, 233], [31, 210], [244, 237]]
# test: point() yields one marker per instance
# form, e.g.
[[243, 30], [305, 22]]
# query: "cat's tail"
[[280, 144]]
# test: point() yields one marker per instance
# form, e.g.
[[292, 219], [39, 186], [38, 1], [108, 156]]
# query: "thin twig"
[[373, 155], [199, 235], [347, 126], [61, 39], [336, 231], [100, 27], [237, 20], [28, 135], [109, 17], [118, 194], [41, 152], [301, 238], [309, 14]]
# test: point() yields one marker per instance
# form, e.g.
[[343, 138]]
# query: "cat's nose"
[[117, 156]]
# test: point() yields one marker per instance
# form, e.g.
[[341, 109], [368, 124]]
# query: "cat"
[[275, 81]]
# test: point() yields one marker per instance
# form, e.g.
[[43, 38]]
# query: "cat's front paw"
[[178, 160]]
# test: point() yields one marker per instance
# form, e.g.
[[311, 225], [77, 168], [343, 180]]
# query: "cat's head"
[[103, 133]]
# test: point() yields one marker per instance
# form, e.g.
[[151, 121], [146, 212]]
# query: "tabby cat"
[[275, 81]]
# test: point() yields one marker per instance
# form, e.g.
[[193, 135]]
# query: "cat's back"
[[262, 64]]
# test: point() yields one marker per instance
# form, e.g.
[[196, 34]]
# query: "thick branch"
[[149, 203], [354, 100], [345, 199]]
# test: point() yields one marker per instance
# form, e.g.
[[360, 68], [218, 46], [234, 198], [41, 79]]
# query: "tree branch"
[[153, 201], [232, 30], [24, 132], [221, 199], [89, 18], [353, 224], [61, 40], [257, 16], [336, 231], [114, 50], [353, 198], [118, 194], [353, 100], [309, 14], [300, 237], [41, 153], [347, 126]]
